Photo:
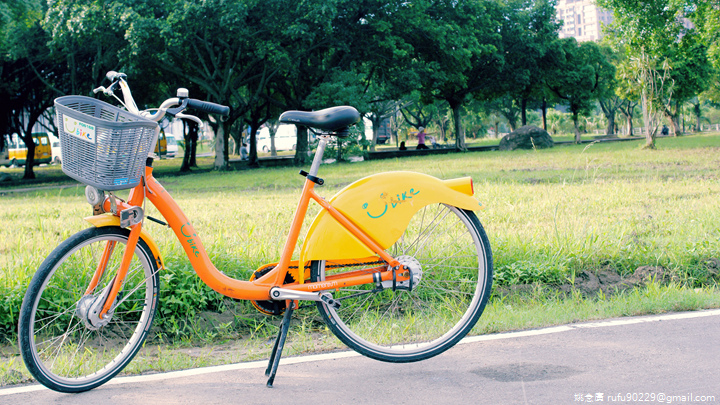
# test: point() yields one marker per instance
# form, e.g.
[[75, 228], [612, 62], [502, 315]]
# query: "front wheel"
[[449, 255], [64, 346]]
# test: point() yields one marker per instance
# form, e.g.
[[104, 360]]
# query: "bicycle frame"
[[258, 289]]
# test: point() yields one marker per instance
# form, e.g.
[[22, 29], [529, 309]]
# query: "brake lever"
[[192, 118], [179, 109], [108, 91]]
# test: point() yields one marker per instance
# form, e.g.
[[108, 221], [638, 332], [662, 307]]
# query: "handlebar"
[[208, 107], [118, 80]]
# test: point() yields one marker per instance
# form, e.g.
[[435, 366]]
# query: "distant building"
[[583, 20]]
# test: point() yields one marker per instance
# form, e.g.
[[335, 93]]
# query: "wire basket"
[[102, 145]]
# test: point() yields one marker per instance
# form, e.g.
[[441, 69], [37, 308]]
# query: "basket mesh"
[[102, 145]]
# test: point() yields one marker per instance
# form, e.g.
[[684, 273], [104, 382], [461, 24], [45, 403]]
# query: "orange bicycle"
[[397, 263]]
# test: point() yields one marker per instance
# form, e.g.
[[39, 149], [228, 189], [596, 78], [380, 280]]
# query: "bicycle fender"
[[100, 221], [382, 206]]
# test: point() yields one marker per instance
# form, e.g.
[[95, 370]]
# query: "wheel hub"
[[413, 266], [88, 311]]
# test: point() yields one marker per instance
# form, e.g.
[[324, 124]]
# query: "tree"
[[582, 75], [609, 101], [86, 38], [356, 88], [658, 42], [627, 107], [447, 50], [190, 136], [323, 43], [706, 18], [506, 107], [418, 114], [26, 70], [689, 71], [218, 46], [528, 31]]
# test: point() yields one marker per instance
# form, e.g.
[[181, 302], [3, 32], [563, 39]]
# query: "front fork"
[[95, 310], [122, 271]]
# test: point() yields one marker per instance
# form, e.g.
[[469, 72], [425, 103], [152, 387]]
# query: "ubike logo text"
[[79, 129], [190, 235], [390, 202]]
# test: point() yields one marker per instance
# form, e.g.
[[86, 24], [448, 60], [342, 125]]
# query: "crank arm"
[[280, 294]]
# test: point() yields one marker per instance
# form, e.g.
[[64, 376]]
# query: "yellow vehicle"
[[161, 145], [17, 150]]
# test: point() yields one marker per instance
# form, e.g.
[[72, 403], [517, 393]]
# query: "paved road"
[[671, 358]]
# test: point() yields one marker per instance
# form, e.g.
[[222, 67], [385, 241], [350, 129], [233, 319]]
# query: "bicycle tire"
[[59, 349], [402, 326]]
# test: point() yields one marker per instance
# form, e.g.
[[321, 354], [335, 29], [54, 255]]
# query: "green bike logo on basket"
[[79, 129]]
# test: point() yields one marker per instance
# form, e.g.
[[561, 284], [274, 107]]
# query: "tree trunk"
[[443, 129], [523, 107], [272, 131], [193, 151], [459, 134], [512, 121], [30, 144], [649, 139], [672, 114], [544, 114], [376, 120], [29, 159], [237, 137], [674, 125], [577, 127], [253, 156], [187, 136], [630, 125], [649, 123], [610, 115], [301, 147], [221, 147]]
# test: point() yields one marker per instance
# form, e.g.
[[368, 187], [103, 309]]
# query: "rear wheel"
[[449, 256], [64, 346]]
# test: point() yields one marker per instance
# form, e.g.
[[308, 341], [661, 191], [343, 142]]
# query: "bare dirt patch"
[[608, 281]]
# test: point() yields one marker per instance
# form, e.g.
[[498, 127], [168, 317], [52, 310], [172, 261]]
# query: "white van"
[[55, 148], [172, 146], [285, 138]]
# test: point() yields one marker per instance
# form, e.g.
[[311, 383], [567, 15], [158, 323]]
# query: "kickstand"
[[279, 343]]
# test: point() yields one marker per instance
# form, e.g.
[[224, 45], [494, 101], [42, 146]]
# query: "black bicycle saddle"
[[333, 119]]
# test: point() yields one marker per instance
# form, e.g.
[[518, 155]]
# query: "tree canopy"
[[263, 57]]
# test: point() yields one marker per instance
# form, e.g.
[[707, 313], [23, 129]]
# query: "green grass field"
[[552, 216]]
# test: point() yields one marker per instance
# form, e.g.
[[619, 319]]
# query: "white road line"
[[345, 354]]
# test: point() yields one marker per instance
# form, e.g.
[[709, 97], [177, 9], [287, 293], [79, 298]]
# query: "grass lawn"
[[555, 218]]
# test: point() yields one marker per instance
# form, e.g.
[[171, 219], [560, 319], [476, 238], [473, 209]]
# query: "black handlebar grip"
[[208, 107]]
